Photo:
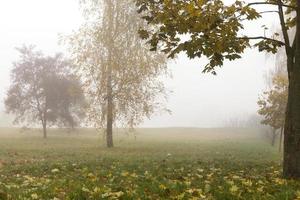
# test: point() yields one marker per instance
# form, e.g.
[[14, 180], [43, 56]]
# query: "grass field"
[[173, 163]]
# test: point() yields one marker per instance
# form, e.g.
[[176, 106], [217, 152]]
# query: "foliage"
[[154, 167], [114, 63], [70, 99], [273, 102], [204, 28], [43, 90], [215, 29]]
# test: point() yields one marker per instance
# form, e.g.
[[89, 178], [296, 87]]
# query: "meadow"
[[166, 163]]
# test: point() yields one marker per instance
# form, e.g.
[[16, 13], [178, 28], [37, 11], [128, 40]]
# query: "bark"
[[109, 128], [45, 129], [291, 163], [280, 140], [273, 137], [109, 122]]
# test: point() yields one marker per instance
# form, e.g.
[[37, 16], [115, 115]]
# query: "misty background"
[[197, 100]]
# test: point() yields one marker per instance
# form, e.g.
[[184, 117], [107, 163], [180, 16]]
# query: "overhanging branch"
[[271, 11], [271, 3], [262, 38], [261, 13]]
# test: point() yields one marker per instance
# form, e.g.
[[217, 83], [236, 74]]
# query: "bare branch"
[[271, 11]]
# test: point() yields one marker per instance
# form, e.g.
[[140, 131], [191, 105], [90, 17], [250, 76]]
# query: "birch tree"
[[122, 79]]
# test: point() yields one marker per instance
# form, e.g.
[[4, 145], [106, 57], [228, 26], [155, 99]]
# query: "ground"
[[177, 163]]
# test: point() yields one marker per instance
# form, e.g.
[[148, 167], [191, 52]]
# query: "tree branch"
[[271, 3], [283, 27], [271, 11], [263, 12], [262, 38]]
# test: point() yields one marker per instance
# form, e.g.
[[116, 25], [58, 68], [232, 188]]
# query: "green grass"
[[173, 163]]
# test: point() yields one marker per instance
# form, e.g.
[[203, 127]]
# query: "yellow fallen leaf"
[[162, 187], [34, 196], [297, 195], [234, 189], [55, 170], [125, 173]]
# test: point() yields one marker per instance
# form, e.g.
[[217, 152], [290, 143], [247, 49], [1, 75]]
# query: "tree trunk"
[[273, 137], [291, 161], [45, 129], [109, 122], [280, 140], [291, 165]]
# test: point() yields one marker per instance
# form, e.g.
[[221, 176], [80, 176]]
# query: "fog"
[[79, 99], [197, 100]]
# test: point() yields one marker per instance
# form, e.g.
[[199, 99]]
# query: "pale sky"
[[198, 100]]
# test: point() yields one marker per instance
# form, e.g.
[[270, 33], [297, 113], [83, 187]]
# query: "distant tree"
[[272, 106], [279, 71], [121, 77], [42, 89], [214, 29], [251, 121], [69, 101]]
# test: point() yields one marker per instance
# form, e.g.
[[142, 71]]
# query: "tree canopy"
[[273, 102], [215, 29], [121, 77], [43, 90], [212, 28]]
